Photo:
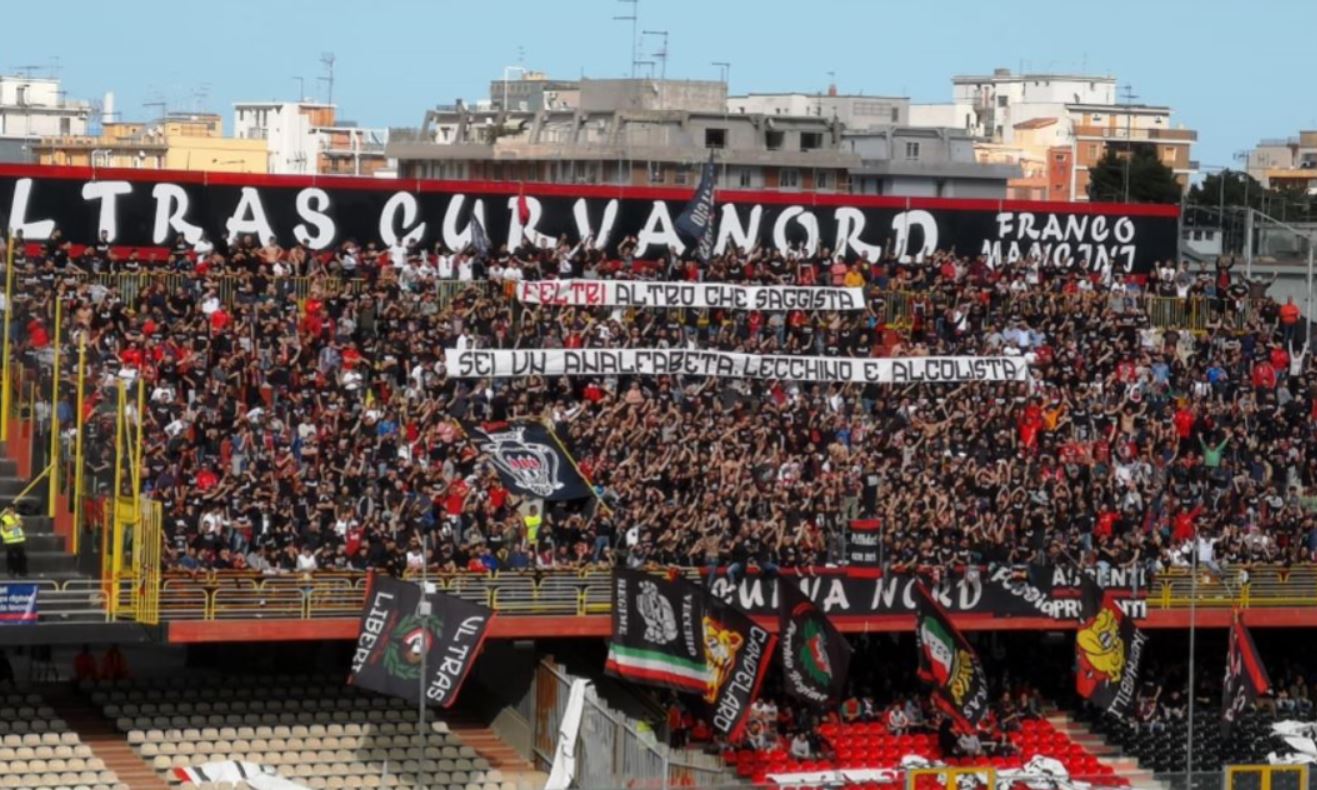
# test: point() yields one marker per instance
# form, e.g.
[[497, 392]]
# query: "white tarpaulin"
[[510, 363], [563, 772], [614, 293], [1039, 773], [257, 777], [1299, 736]]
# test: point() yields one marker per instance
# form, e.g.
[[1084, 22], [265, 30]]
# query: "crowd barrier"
[[239, 595]]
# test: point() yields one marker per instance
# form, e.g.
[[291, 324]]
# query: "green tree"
[[1230, 187], [1150, 181]]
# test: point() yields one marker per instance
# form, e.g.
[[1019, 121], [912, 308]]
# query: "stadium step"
[[105, 741], [1126, 767], [46, 555], [488, 745]]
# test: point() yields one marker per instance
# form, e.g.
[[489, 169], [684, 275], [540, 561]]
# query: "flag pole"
[[5, 385], [423, 609], [1193, 631]]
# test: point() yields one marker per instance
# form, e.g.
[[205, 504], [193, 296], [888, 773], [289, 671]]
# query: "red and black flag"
[[1246, 679], [1108, 651], [949, 664], [738, 652], [815, 656]]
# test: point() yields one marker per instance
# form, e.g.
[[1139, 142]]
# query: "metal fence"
[[612, 751]]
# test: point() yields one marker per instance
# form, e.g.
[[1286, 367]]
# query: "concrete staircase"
[[1125, 767], [499, 754], [47, 555], [105, 741]]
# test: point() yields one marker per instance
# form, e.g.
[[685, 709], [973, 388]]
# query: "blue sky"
[[1234, 71]]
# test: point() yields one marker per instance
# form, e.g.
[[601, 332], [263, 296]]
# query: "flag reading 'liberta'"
[[815, 656], [737, 652], [949, 663], [658, 632], [1108, 652], [405, 651]]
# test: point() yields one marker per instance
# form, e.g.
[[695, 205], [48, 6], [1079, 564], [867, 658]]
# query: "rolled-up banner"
[[620, 293], [398, 642], [515, 363]]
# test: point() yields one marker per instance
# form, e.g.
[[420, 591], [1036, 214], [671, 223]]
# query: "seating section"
[[870, 745], [38, 750], [313, 730], [1163, 749]]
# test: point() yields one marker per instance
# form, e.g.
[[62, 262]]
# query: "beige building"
[[1290, 163], [182, 141]]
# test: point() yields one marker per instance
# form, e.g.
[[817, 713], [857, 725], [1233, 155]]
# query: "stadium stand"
[[39, 751], [312, 729]]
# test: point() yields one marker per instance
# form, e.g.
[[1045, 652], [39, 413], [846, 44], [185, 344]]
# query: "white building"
[[287, 129], [857, 112], [32, 108]]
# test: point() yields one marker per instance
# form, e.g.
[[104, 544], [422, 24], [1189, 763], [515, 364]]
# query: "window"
[[789, 178], [1097, 118], [773, 140], [1169, 155], [655, 173], [715, 138], [822, 179], [896, 115], [810, 141], [743, 177], [681, 174], [1001, 101], [912, 150], [1094, 152]]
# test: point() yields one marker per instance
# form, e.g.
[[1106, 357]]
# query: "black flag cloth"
[[530, 459], [949, 664], [398, 642], [815, 656], [658, 632], [1246, 678], [696, 220], [737, 652], [479, 238], [1108, 651]]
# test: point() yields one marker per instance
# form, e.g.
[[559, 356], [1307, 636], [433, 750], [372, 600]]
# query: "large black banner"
[[658, 632], [400, 640], [1108, 653], [147, 209], [1052, 592], [864, 539], [949, 664], [815, 656], [530, 459], [1246, 678], [738, 653]]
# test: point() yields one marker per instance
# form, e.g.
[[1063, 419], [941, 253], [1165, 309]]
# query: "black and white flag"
[[530, 459], [696, 220]]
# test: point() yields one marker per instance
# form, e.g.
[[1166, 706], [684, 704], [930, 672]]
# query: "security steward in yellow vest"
[[11, 534]]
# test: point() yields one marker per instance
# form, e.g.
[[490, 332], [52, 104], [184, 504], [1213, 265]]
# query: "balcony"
[[1118, 133]]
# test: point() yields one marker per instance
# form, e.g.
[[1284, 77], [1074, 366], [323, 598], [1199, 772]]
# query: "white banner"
[[508, 363], [563, 772], [614, 293]]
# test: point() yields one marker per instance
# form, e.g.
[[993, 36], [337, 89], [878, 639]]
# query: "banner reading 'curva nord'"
[[510, 363], [138, 208], [619, 293]]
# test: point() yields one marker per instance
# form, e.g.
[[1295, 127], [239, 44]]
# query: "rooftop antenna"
[[26, 71], [301, 88], [521, 55], [200, 97], [327, 60], [1128, 96], [633, 18], [662, 54], [55, 67]]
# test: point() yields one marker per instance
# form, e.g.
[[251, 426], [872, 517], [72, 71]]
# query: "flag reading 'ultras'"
[[530, 459], [399, 642], [815, 656], [1246, 678], [696, 220], [658, 632], [737, 652], [1108, 652], [949, 663]]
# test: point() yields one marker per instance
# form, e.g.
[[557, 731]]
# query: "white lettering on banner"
[[18, 221], [171, 205], [581, 212], [107, 192], [617, 293], [850, 224], [659, 230], [730, 229], [928, 225], [249, 217], [806, 219], [511, 363], [1058, 242], [516, 232], [372, 626], [390, 221], [311, 205], [453, 239]]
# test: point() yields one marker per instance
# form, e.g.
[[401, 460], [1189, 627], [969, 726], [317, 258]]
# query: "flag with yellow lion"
[[1108, 651]]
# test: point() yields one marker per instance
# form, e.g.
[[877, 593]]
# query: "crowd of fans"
[[293, 428]]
